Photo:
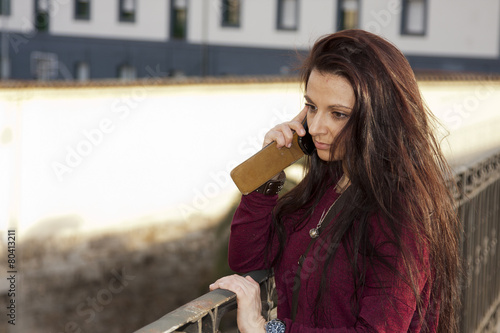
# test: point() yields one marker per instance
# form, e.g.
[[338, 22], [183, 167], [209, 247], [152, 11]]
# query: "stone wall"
[[114, 283]]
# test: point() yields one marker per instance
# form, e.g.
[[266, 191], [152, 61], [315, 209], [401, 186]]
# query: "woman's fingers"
[[302, 114], [249, 303], [239, 285], [282, 134]]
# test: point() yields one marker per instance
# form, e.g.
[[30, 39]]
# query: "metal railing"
[[479, 212], [204, 314], [478, 198]]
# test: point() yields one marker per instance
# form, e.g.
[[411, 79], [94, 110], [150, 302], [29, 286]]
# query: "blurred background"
[[120, 121]]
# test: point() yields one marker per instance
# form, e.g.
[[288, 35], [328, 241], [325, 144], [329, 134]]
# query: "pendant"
[[313, 233]]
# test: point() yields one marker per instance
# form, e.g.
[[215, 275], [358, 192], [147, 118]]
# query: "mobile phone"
[[306, 142], [269, 161]]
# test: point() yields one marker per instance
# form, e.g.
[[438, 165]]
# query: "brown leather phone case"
[[264, 165]]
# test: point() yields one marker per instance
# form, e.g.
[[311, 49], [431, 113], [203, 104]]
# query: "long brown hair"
[[395, 166]]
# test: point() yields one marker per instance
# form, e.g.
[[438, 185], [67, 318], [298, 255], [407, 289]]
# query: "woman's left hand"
[[247, 292]]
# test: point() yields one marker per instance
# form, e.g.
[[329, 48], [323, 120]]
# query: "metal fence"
[[478, 198], [479, 211]]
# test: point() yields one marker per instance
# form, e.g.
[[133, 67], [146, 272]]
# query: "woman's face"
[[329, 100]]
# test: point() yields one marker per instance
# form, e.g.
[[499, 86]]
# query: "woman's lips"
[[321, 145]]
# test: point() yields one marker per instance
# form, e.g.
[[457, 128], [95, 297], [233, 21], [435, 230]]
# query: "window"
[[230, 13], [44, 66], [42, 15], [348, 13], [82, 9], [5, 7], [82, 70], [128, 9], [414, 18], [126, 72], [288, 14], [179, 19]]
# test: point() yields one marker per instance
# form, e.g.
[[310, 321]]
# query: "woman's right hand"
[[282, 134], [249, 313]]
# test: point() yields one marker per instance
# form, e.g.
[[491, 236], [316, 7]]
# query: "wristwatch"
[[275, 326]]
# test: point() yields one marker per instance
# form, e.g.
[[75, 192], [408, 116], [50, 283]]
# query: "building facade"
[[128, 39]]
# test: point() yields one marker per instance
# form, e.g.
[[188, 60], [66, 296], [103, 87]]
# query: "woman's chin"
[[325, 156]]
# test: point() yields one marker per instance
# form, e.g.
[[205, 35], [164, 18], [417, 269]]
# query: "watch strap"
[[273, 186]]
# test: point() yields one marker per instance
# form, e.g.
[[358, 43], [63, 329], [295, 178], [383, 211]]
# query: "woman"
[[388, 260]]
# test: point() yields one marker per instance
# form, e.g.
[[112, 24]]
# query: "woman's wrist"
[[273, 186], [257, 326]]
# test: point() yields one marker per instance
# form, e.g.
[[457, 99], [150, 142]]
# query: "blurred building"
[[90, 39]]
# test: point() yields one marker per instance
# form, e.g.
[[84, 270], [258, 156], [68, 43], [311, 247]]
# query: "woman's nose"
[[316, 124]]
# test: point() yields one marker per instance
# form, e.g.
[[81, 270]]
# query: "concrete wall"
[[470, 114], [120, 156], [107, 157], [110, 283]]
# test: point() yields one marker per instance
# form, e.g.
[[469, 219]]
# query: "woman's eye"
[[340, 115], [311, 108]]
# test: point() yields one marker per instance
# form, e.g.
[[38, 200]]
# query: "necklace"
[[314, 232]]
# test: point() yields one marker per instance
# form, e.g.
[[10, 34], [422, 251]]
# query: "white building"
[[82, 39]]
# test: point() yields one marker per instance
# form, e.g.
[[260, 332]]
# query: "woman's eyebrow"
[[331, 107], [308, 99]]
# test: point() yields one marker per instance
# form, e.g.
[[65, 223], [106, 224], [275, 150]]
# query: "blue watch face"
[[275, 326]]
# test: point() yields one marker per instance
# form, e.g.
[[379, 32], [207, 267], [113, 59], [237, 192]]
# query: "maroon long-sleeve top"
[[386, 303]]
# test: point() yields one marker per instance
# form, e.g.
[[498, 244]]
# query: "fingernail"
[[289, 145]]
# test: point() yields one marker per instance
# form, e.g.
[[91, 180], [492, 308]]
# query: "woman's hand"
[[247, 292], [282, 134]]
